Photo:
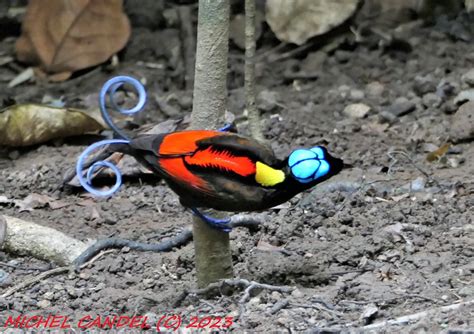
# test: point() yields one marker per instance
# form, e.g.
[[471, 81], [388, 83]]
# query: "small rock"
[[13, 155], [369, 312], [453, 162], [468, 77], [313, 61], [85, 275], [267, 100], [424, 84], [71, 291], [462, 126], [5, 279], [356, 95], [418, 184], [43, 303], [463, 96], [431, 100], [374, 90], [343, 56], [49, 295], [116, 266], [297, 293], [149, 283], [356, 110], [386, 116], [401, 108], [467, 291]]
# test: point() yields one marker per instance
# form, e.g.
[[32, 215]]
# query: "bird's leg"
[[220, 224], [226, 128]]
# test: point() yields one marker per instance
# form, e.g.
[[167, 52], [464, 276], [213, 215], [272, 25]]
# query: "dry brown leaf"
[[35, 201], [29, 124], [436, 155], [62, 36], [298, 20]]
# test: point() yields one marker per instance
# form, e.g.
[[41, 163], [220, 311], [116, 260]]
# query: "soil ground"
[[389, 237]]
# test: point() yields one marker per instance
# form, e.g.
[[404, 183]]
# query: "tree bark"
[[212, 247], [250, 46]]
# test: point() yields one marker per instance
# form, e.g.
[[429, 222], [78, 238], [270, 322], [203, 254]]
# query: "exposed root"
[[27, 238]]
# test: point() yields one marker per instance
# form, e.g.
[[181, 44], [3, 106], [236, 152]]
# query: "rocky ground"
[[390, 237]]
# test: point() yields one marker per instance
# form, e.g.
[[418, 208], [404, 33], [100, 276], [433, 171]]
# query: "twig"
[[379, 301], [289, 54], [281, 304], [44, 275], [33, 280], [413, 163], [235, 282], [22, 268], [417, 316], [317, 307]]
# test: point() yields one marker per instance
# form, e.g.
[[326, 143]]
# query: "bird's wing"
[[240, 146]]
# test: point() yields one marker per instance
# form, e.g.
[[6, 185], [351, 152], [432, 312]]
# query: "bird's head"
[[314, 165]]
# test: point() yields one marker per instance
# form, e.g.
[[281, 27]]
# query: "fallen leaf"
[[437, 154], [29, 124], [35, 201], [65, 36], [298, 20]]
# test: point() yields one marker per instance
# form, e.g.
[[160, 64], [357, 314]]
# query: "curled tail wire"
[[109, 88]]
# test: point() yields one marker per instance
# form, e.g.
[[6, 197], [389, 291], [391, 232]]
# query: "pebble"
[[374, 90], [5, 279], [462, 125], [49, 295], [267, 100], [356, 110], [314, 61], [401, 108], [386, 116], [431, 100], [343, 56], [467, 291], [424, 84], [356, 95], [468, 77], [463, 96], [297, 293], [149, 283], [44, 303]]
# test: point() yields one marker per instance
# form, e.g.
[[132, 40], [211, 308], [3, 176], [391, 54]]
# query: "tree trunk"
[[250, 46], [212, 247]]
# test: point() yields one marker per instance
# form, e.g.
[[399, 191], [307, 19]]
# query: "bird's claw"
[[217, 223]]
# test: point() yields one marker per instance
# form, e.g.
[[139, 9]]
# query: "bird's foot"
[[226, 128], [220, 224]]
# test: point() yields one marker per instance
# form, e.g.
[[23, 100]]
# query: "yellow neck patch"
[[267, 176]]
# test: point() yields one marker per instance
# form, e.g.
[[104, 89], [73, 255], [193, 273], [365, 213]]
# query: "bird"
[[226, 171]]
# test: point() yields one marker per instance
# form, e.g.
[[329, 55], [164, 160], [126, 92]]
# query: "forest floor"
[[390, 237]]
